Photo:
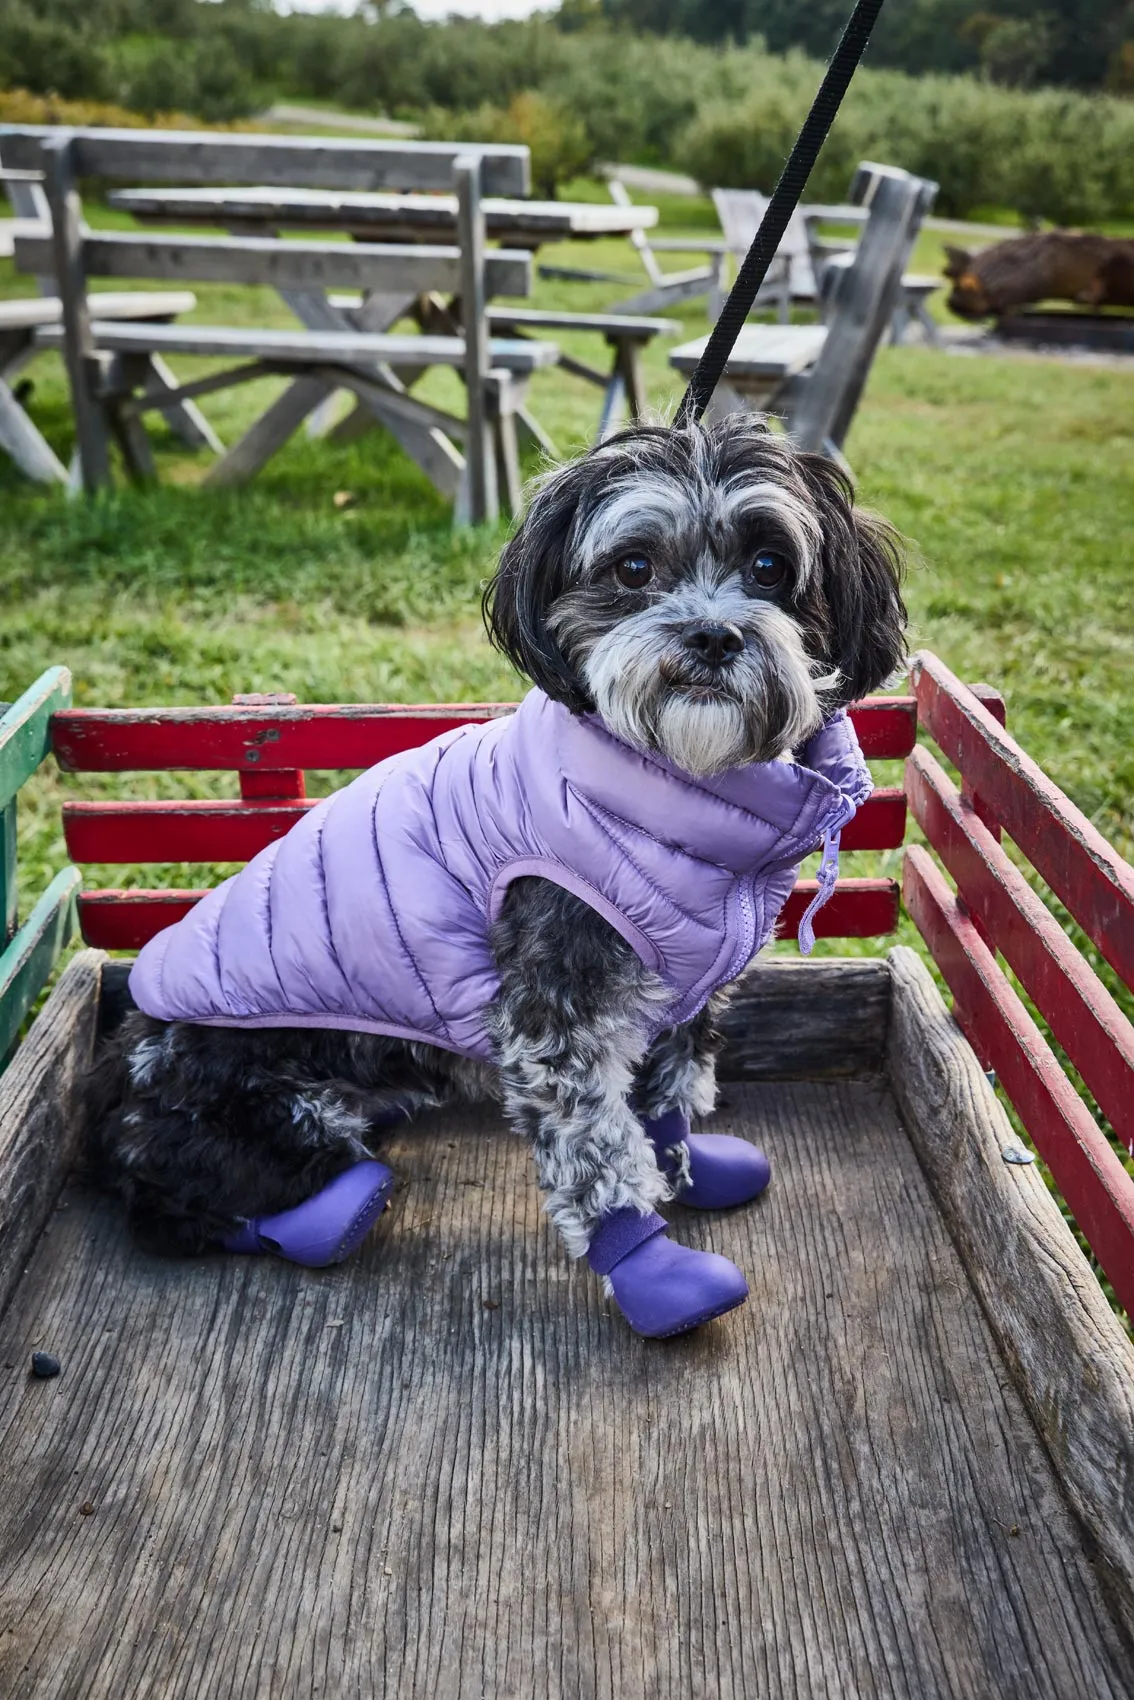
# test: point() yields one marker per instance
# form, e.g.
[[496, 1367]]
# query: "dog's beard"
[[763, 704]]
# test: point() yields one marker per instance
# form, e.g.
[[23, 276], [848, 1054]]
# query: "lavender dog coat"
[[373, 913]]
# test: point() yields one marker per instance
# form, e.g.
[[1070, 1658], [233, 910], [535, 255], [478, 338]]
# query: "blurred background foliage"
[[1014, 107]]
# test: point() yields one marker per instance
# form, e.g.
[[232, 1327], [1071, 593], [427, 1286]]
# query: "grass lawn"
[[1013, 480]]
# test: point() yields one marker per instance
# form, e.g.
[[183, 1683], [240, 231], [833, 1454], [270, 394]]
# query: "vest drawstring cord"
[[828, 874]]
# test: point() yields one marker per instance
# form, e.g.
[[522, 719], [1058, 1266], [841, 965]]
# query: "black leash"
[[785, 198]]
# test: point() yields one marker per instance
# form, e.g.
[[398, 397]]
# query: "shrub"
[[558, 142]]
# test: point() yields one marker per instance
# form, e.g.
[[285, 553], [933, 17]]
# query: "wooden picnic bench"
[[105, 363], [527, 225], [812, 376], [905, 1468], [22, 327]]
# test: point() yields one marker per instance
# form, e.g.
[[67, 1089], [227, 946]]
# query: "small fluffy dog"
[[564, 894]]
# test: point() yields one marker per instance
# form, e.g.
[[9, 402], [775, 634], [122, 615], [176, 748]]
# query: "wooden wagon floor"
[[446, 1470]]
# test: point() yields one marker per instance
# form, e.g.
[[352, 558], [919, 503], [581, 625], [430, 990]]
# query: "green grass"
[[1013, 480]]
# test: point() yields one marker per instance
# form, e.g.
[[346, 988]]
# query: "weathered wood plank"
[[1067, 1351], [27, 960], [398, 217], [25, 729], [824, 1020], [63, 257], [298, 347], [280, 264], [331, 735], [20, 439], [187, 156], [105, 304], [40, 1112], [446, 1470]]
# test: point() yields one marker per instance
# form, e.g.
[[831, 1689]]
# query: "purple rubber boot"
[[326, 1228], [662, 1288], [714, 1171]]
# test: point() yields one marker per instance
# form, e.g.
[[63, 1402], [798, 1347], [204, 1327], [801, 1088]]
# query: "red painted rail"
[[1082, 1014], [233, 832], [122, 740], [126, 920], [1085, 872], [1087, 1170]]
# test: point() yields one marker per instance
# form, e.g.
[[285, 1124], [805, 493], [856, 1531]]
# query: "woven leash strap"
[[785, 198]]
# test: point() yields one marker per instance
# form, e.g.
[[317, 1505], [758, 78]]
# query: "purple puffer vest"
[[373, 913]]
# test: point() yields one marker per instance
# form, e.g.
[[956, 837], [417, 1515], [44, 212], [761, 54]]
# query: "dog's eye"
[[635, 572], [768, 570]]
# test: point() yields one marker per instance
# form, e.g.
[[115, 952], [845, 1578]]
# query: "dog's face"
[[712, 593]]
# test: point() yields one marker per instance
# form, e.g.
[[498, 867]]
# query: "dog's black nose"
[[712, 641]]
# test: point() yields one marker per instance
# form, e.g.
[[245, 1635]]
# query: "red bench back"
[[271, 743]]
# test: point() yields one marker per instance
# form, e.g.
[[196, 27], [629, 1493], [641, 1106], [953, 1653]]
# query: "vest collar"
[[724, 820]]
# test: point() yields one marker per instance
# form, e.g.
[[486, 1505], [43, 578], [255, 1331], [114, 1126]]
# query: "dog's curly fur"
[[714, 594]]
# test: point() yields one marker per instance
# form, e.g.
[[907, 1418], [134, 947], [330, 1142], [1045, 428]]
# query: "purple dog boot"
[[662, 1288], [325, 1228], [711, 1171]]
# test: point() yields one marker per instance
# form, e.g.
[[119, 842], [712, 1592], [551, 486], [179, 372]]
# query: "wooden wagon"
[[905, 1468]]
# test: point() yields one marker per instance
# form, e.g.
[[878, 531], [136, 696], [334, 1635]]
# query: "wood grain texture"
[[39, 1116], [1066, 1349], [823, 1020], [332, 735], [206, 156], [445, 1470]]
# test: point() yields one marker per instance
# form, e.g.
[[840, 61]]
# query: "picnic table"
[[382, 217], [524, 225]]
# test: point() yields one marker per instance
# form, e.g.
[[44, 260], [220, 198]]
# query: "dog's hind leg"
[[200, 1128], [570, 1025]]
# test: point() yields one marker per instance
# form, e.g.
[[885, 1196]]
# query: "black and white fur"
[[714, 595]]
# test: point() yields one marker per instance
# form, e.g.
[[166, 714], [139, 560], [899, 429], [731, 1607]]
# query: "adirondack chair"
[[21, 320], [912, 305], [812, 376], [107, 362], [443, 1468]]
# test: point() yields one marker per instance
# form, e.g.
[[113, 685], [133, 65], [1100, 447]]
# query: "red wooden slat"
[[125, 920], [858, 909], [206, 831], [1083, 1016], [122, 740], [1084, 871], [176, 832], [1088, 1172]]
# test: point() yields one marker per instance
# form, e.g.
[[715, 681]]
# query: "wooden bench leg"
[[184, 417], [20, 439], [268, 435], [505, 393]]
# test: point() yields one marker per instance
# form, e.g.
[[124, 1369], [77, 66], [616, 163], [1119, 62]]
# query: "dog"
[[694, 607]]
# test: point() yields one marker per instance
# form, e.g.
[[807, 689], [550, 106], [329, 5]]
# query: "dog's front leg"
[[677, 1081], [570, 1026]]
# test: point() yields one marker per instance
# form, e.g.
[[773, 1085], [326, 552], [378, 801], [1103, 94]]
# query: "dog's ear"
[[864, 617], [533, 572], [957, 261]]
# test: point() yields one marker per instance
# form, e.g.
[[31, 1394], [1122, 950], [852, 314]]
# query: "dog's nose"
[[712, 641]]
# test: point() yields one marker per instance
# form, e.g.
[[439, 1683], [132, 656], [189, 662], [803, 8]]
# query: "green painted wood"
[[25, 729], [8, 912], [30, 957]]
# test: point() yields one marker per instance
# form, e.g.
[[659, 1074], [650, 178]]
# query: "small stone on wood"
[[44, 1366]]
